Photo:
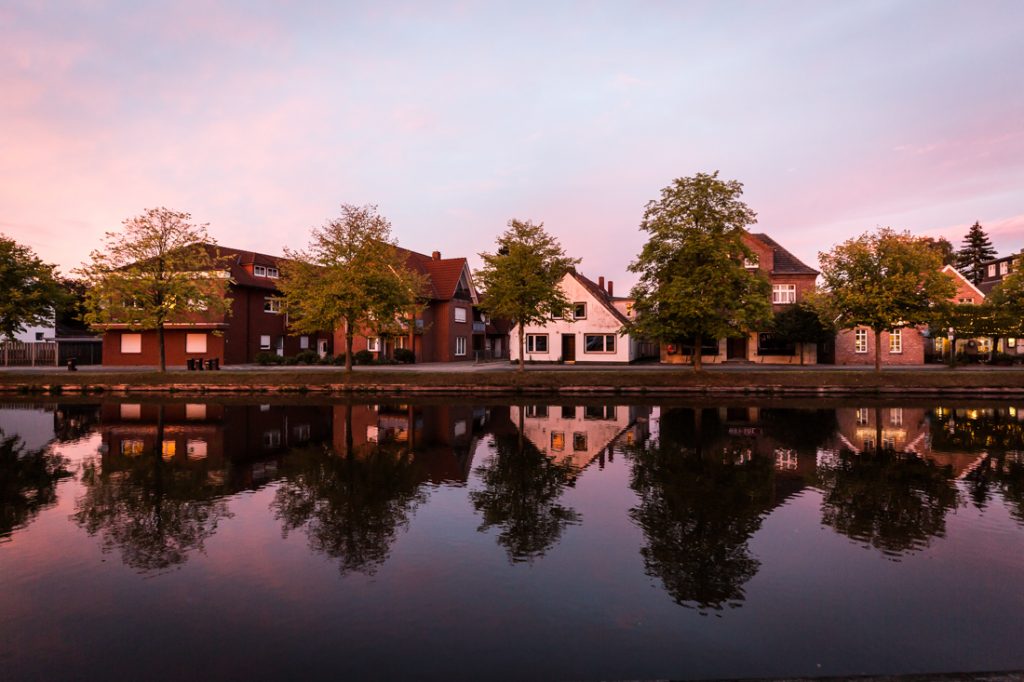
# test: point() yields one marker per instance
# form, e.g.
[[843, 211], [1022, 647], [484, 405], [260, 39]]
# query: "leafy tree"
[[160, 269], [72, 310], [693, 283], [30, 289], [521, 278], [943, 247], [1009, 293], [801, 324], [351, 276], [975, 249], [882, 281]]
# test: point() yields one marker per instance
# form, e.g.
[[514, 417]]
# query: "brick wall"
[[913, 348]]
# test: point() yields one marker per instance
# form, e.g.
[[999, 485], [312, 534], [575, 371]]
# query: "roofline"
[[969, 282]]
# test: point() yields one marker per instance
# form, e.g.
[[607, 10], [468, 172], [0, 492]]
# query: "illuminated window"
[[862, 416], [195, 411], [557, 441], [196, 449], [132, 448], [195, 343], [896, 341], [896, 416], [168, 449], [783, 294], [131, 343], [860, 341]]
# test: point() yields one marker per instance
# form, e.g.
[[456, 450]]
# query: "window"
[[259, 270], [373, 344], [169, 449], [195, 343], [1004, 267], [862, 416], [131, 343], [579, 441], [460, 314], [460, 345], [272, 305], [1011, 342], [303, 342], [750, 263], [599, 412], [271, 439], [599, 343], [967, 301], [195, 449], [769, 344], [132, 447], [195, 411], [896, 341], [273, 273], [300, 433], [579, 311], [39, 336], [536, 410], [992, 270], [568, 411], [557, 440], [940, 344], [783, 293], [860, 341], [264, 342], [896, 416], [536, 343], [131, 411]]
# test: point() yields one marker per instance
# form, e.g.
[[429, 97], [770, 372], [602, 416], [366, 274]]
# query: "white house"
[[589, 333]]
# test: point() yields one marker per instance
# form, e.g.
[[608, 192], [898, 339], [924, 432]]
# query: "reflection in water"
[[28, 482], [350, 503], [520, 490], [702, 496]]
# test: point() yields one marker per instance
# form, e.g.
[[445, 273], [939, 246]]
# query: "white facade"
[[549, 342]]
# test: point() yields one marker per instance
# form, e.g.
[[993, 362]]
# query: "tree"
[[352, 276], [160, 269], [693, 283], [521, 278], [975, 250], [30, 289], [944, 248], [882, 281], [800, 324]]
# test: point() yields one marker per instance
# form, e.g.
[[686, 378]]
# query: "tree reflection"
[[351, 504], [521, 488], [894, 502], [1002, 472], [154, 512], [28, 482], [702, 497]]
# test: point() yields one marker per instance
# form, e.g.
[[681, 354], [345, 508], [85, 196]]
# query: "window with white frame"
[[272, 439], [259, 270], [599, 343], [750, 263], [195, 343], [862, 416], [131, 343], [273, 273], [1004, 267], [272, 305], [783, 293], [967, 301], [896, 416], [460, 345], [265, 342], [896, 341], [373, 344], [860, 341], [1011, 342], [460, 314], [303, 342], [579, 311], [992, 270], [536, 343]]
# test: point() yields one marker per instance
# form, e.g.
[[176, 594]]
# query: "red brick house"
[[256, 324], [791, 280]]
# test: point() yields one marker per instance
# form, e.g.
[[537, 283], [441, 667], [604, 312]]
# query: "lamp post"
[[952, 347]]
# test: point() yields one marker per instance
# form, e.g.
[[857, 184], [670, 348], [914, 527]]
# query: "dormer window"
[[992, 270], [265, 271], [1004, 267]]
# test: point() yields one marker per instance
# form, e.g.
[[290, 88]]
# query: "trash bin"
[[72, 364], [216, 363], [209, 364], [191, 364], [199, 364]]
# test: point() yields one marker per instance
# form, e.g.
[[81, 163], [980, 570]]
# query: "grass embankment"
[[660, 380]]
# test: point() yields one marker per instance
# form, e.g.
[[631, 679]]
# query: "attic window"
[[750, 263], [580, 311], [265, 271]]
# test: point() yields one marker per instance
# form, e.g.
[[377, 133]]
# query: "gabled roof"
[[785, 263], [237, 259], [601, 296], [953, 272], [444, 273]]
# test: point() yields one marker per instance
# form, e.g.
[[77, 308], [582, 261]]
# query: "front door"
[[736, 349], [568, 348], [321, 348]]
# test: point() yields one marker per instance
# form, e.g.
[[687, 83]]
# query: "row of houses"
[[451, 327]]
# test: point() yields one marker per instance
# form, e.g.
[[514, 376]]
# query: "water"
[[457, 540]]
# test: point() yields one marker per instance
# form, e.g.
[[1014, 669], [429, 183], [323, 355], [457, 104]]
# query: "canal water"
[[453, 539]]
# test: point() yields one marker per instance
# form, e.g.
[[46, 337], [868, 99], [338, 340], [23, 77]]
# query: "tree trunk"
[[522, 347], [696, 354], [160, 341], [878, 430], [348, 349], [801, 353], [878, 350]]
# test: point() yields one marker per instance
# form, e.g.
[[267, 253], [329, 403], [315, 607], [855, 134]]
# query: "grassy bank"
[[633, 382]]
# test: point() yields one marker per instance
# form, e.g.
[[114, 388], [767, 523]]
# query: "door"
[[736, 349], [321, 348], [568, 348]]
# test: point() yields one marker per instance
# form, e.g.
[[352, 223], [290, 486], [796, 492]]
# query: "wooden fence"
[[28, 354]]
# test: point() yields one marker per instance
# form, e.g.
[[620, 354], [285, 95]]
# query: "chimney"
[[436, 255], [611, 288], [600, 282]]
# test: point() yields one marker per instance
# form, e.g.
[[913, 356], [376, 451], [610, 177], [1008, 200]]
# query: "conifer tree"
[[975, 250]]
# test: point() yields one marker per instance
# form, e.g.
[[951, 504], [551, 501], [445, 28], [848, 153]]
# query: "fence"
[[28, 354]]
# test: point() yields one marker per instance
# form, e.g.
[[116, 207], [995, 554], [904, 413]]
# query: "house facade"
[[256, 324], [791, 280], [589, 333], [996, 270]]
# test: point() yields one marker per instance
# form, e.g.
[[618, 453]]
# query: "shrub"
[[326, 360], [266, 358], [405, 355], [291, 360], [339, 359], [307, 357], [362, 357]]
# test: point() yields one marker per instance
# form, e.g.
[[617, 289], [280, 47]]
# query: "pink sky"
[[261, 118]]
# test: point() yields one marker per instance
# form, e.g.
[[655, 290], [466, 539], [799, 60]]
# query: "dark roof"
[[237, 259], [785, 263], [444, 273], [601, 295]]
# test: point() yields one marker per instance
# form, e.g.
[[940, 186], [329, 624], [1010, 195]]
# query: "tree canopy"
[[161, 268], [885, 280], [800, 324], [693, 283], [520, 280], [975, 249], [352, 276], [31, 292]]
